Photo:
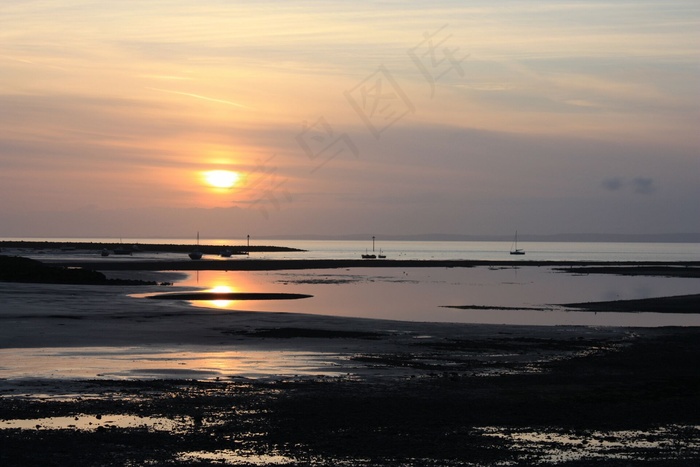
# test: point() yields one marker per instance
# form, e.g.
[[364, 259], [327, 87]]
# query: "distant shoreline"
[[679, 237], [139, 247]]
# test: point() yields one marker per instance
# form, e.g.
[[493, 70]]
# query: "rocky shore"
[[620, 399]]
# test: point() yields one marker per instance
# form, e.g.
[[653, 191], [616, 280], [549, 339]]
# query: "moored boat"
[[515, 250], [368, 255], [196, 254]]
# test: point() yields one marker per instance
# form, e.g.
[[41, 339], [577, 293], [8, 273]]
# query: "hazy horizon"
[[687, 238], [331, 118]]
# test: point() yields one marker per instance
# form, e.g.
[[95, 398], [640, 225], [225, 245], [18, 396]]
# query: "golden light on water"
[[226, 282], [221, 178], [221, 289]]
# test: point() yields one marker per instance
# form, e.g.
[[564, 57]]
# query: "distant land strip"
[[674, 304], [638, 270], [141, 247], [227, 296], [682, 269], [19, 269]]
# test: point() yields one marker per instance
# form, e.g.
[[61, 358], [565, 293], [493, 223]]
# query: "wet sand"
[[344, 392]]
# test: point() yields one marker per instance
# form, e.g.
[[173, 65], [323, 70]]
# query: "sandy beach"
[[91, 375]]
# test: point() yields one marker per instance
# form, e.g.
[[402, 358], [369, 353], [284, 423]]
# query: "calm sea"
[[336, 249], [501, 250]]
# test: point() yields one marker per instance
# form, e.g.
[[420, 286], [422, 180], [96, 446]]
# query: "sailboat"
[[196, 254], [368, 255], [121, 249], [515, 250]]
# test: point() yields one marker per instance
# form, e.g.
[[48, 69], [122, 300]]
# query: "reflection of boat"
[[515, 250], [196, 254]]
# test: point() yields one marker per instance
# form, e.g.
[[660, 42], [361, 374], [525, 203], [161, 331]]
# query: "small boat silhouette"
[[196, 254], [515, 250], [368, 255]]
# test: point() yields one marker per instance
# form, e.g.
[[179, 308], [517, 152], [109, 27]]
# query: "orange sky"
[[387, 117]]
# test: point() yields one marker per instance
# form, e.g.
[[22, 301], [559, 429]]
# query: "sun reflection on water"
[[222, 288], [222, 282]]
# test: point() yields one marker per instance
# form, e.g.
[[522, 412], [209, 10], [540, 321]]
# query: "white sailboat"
[[514, 249], [196, 254]]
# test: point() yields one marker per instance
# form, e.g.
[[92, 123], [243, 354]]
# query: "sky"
[[334, 117]]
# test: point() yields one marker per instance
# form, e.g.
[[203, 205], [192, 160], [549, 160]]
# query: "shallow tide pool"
[[504, 295]]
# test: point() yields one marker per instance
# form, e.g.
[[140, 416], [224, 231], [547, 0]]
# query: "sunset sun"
[[221, 178]]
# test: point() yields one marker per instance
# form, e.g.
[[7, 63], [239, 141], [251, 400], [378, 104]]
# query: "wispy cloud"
[[168, 77], [638, 185], [612, 184], [643, 186], [198, 96]]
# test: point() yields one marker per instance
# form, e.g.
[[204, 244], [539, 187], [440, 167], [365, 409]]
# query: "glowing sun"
[[221, 178], [221, 289]]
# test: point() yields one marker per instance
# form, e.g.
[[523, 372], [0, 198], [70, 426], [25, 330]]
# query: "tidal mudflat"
[[92, 375]]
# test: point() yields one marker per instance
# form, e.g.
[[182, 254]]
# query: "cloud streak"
[[197, 96], [643, 186], [638, 185]]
